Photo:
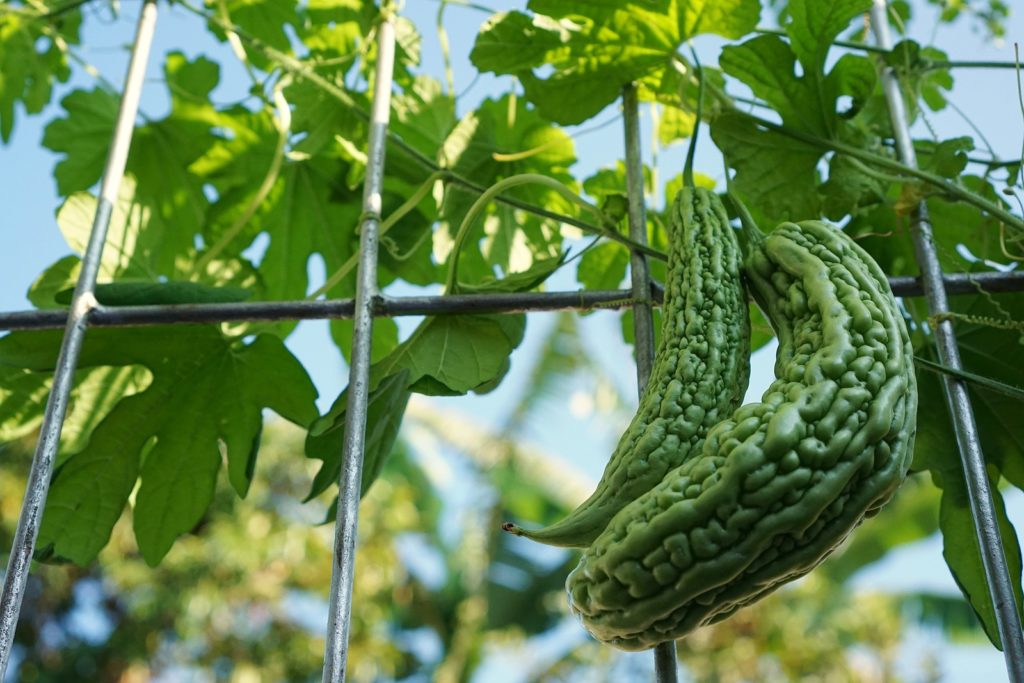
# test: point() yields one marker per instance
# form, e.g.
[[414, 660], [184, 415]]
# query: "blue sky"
[[30, 241]]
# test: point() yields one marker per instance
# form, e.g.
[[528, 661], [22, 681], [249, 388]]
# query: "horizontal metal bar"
[[388, 307], [125, 316]]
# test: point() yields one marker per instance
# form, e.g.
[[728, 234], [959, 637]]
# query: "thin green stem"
[[1020, 97], [874, 173], [994, 162], [926, 64], [751, 232], [974, 378], [452, 280], [933, 65], [446, 57], [282, 122], [692, 151], [236, 44], [407, 206], [967, 119], [841, 43]]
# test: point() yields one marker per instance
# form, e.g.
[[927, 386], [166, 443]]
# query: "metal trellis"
[[369, 303], [979, 491], [389, 307]]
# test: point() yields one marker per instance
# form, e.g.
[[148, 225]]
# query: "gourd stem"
[[692, 151], [452, 281]]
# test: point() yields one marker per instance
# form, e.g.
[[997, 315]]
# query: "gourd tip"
[[511, 528]]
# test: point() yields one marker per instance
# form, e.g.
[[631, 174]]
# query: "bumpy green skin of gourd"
[[782, 482], [699, 374]]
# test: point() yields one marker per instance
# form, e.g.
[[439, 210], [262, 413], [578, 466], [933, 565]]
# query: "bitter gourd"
[[699, 374], [780, 483]]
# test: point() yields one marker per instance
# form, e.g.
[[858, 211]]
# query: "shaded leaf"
[[986, 351], [774, 173], [453, 355], [56, 278], [385, 408], [520, 281], [603, 266], [206, 396]]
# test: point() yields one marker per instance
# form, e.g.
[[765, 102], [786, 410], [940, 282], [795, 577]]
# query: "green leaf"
[[607, 182], [453, 355], [814, 25], [130, 245], [988, 351], [170, 197], [502, 138], [22, 396], [265, 20], [56, 278], [913, 65], [83, 137], [766, 65], [385, 409], [126, 293], [383, 342], [324, 120], [520, 281], [205, 399], [961, 551], [309, 211], [603, 266], [962, 234], [335, 28], [597, 48], [32, 58], [947, 158], [849, 190], [774, 173], [510, 42], [675, 125], [424, 117]]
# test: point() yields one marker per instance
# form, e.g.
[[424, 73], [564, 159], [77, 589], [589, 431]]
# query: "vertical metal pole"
[[979, 493], [643, 320], [336, 654], [665, 668], [82, 303]]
